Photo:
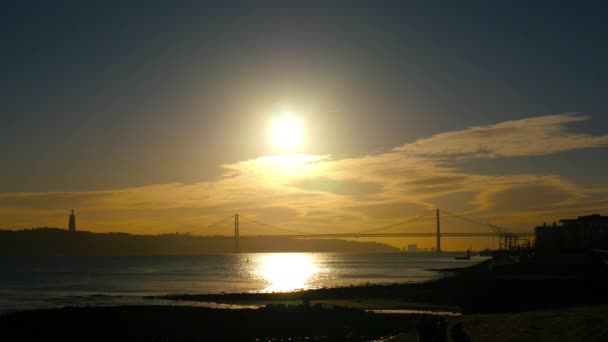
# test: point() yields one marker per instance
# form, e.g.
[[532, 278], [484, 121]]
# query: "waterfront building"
[[584, 232]]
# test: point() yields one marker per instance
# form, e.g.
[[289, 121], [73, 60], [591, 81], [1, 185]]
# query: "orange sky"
[[339, 194]]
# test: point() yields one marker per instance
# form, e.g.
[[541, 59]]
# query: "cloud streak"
[[526, 137]]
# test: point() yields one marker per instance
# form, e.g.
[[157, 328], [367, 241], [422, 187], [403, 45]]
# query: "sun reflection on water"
[[287, 271]]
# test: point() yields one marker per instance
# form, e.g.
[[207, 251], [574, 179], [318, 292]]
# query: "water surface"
[[39, 282]]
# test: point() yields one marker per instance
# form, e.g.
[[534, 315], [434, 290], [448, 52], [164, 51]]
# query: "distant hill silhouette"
[[55, 241]]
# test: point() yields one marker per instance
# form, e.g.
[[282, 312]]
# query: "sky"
[[154, 117]]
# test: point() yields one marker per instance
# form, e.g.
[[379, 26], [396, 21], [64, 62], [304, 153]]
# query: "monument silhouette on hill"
[[72, 224]]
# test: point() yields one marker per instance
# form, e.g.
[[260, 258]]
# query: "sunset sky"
[[157, 118]]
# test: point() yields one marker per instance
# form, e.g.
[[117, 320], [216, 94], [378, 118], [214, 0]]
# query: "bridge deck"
[[352, 235]]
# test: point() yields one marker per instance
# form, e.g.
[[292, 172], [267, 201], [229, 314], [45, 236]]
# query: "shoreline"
[[522, 283], [319, 297]]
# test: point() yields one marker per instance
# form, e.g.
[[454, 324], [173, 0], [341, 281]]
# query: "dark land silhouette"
[[55, 241], [295, 323]]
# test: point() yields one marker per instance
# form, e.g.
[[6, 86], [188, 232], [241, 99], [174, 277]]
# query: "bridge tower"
[[438, 232], [236, 233]]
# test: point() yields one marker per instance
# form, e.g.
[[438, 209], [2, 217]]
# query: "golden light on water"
[[287, 271]]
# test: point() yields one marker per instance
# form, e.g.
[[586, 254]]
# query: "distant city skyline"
[[155, 119]]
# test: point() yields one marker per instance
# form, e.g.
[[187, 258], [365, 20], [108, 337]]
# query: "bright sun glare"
[[287, 271], [287, 131]]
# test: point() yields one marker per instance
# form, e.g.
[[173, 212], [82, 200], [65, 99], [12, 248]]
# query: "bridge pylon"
[[438, 232], [237, 248]]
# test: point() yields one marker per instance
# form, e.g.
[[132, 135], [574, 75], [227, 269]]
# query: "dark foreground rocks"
[[179, 323]]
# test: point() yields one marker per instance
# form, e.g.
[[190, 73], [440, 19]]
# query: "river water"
[[43, 282]]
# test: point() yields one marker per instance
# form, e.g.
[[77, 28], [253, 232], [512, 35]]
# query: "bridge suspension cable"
[[506, 239], [394, 224], [214, 223], [494, 228], [272, 226], [357, 232]]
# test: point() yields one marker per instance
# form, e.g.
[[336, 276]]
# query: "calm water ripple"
[[39, 282]]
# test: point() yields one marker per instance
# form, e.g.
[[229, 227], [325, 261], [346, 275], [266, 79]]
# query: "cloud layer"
[[527, 137], [329, 194]]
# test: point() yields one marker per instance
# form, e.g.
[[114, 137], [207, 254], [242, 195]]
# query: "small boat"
[[466, 257]]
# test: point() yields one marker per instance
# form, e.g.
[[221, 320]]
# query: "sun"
[[287, 131]]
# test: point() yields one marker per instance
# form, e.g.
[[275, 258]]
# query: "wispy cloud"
[[526, 137]]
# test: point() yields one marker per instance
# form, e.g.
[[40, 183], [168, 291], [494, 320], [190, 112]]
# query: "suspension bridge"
[[507, 239]]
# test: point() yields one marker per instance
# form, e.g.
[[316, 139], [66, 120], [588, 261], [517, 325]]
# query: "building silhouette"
[[584, 232], [72, 224]]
